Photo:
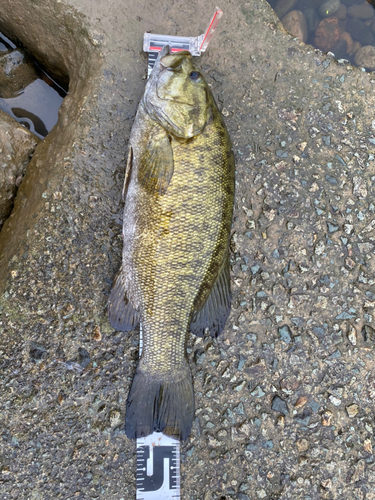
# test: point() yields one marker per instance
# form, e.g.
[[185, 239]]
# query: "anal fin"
[[215, 311], [121, 312]]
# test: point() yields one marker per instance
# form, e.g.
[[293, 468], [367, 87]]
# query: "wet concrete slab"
[[284, 399]]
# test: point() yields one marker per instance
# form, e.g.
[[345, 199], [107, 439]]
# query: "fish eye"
[[195, 76]]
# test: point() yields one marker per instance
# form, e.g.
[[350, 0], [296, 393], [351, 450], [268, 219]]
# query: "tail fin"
[[162, 404]]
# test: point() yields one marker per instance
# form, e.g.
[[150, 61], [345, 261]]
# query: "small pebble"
[[301, 402], [352, 335], [302, 445], [352, 410], [280, 405], [334, 400], [367, 446], [326, 418], [285, 334], [326, 484]]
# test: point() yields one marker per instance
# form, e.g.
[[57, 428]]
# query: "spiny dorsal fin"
[[214, 313], [156, 163]]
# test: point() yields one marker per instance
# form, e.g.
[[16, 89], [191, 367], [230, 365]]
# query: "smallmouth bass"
[[179, 195]]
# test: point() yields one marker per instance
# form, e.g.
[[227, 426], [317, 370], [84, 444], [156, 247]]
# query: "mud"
[[285, 397]]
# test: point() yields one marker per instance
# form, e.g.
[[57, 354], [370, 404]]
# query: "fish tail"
[[161, 403]]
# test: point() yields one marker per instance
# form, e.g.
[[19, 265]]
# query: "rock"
[[312, 19], [302, 445], [280, 405], [303, 418], [352, 410], [84, 358], [356, 46], [17, 145], [368, 333], [37, 351], [349, 41], [360, 31], [341, 12], [285, 334], [327, 34], [340, 49], [367, 445], [361, 11], [365, 57], [284, 6], [326, 418], [358, 471], [326, 484], [329, 7], [314, 3], [257, 392], [359, 187], [352, 335], [295, 23], [280, 422], [301, 402], [16, 73], [334, 400]]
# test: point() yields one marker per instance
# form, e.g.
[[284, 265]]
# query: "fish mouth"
[[176, 101]]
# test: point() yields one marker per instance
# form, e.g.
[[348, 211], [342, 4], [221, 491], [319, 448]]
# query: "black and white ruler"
[[158, 467]]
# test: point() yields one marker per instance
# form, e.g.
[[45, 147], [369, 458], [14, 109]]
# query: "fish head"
[[176, 94]]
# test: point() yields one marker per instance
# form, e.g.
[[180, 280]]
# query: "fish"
[[175, 275]]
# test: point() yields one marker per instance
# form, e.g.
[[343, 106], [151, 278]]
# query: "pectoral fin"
[[121, 312], [215, 311], [156, 163]]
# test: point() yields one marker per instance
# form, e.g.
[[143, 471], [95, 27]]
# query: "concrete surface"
[[285, 397]]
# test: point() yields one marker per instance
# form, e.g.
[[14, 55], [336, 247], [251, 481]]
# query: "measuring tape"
[[153, 43], [158, 467], [158, 456]]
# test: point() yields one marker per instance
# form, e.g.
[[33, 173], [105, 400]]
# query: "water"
[[27, 93], [345, 28]]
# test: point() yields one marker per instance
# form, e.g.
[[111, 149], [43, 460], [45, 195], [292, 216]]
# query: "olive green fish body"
[[177, 221]]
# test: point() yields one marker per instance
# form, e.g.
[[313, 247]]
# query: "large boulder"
[[17, 145], [16, 72]]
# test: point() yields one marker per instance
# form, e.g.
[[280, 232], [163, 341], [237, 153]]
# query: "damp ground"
[[284, 398]]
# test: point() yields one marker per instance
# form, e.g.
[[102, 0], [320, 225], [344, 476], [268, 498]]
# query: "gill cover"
[[176, 95]]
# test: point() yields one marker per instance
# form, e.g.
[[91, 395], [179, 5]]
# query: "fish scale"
[[162, 305]]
